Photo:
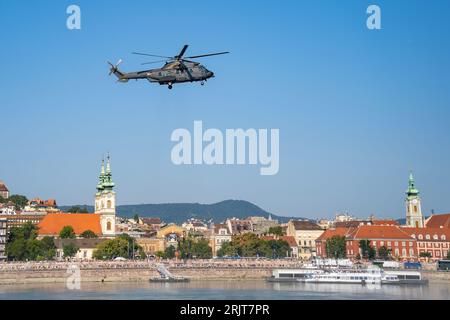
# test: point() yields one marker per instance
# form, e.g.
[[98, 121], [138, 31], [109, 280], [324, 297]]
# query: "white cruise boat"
[[292, 275], [368, 276]]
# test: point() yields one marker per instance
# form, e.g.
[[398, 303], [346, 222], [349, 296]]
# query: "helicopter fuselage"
[[170, 74]]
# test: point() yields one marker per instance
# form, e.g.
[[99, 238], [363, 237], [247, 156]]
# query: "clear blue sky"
[[356, 109]]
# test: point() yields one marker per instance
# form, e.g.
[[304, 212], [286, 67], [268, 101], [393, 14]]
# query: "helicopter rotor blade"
[[152, 62], [207, 55], [183, 67], [151, 55], [182, 52]]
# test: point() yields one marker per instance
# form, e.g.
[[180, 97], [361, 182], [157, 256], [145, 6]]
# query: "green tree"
[[194, 248], [18, 200], [425, 255], [368, 252], [67, 232], [160, 254], [335, 247], [111, 249], [22, 245], [136, 218], [70, 250], [88, 234], [278, 231], [384, 253], [122, 246], [17, 250], [26, 231], [169, 253], [249, 245], [2, 200], [48, 248]]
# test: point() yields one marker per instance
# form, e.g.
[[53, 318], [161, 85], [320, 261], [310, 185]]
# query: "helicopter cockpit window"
[[160, 74]]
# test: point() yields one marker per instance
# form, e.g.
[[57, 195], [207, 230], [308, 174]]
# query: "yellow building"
[[305, 234], [151, 245]]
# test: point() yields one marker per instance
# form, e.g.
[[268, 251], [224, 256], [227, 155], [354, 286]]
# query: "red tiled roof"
[[3, 187], [53, 223], [152, 220], [388, 222], [50, 203], [428, 231], [349, 224], [439, 221], [334, 232], [379, 232], [305, 225]]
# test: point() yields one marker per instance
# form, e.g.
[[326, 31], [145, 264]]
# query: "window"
[[404, 243], [108, 204], [108, 225], [389, 243], [435, 237], [396, 243], [381, 243], [443, 237], [415, 208], [410, 244], [427, 237], [420, 237]]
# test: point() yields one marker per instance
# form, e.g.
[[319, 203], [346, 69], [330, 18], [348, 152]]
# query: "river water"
[[227, 290]]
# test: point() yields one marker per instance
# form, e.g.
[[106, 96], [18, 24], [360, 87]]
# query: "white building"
[[3, 227]]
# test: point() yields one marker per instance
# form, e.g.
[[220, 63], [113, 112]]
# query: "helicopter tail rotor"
[[115, 68]]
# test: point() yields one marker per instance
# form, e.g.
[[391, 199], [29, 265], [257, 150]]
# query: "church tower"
[[105, 200], [414, 216]]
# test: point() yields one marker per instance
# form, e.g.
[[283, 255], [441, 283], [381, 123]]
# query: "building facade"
[[401, 245], [86, 248], [4, 192], [3, 235], [305, 234], [434, 241], [219, 235]]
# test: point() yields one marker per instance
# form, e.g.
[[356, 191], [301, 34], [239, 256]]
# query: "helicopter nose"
[[210, 74]]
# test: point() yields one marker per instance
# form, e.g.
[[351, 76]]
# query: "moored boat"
[[368, 276]]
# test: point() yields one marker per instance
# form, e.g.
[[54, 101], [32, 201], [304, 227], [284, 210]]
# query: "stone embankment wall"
[[23, 273], [129, 275]]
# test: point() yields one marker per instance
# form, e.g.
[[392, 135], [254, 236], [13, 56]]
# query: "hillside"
[[179, 212]]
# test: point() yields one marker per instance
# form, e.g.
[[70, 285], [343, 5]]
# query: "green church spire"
[[411, 191], [108, 184]]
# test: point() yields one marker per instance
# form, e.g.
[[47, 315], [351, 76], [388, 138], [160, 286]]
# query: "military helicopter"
[[177, 69]]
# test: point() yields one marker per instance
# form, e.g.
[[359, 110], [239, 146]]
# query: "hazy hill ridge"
[[179, 212]]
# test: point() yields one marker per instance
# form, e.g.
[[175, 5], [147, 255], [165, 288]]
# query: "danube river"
[[227, 290]]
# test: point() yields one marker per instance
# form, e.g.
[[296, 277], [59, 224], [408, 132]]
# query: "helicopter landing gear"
[[170, 86], [202, 83]]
